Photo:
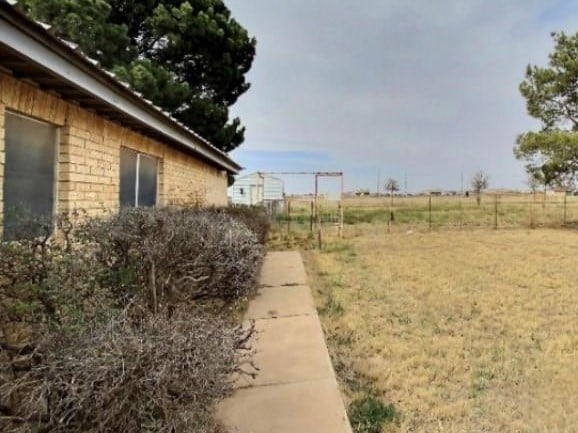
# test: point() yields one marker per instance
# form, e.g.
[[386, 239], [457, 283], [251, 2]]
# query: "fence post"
[[532, 212], [341, 220], [318, 222], [496, 211], [311, 219], [429, 209], [288, 216], [461, 213], [565, 199]]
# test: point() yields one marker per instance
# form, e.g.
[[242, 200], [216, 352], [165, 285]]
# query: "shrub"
[[368, 414], [156, 369], [48, 281], [167, 255], [160, 376], [254, 217]]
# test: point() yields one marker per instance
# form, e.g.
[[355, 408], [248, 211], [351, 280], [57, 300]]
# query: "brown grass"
[[462, 331]]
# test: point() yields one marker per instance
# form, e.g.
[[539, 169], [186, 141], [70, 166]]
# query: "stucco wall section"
[[89, 155]]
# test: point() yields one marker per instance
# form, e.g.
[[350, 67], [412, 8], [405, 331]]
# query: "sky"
[[421, 91]]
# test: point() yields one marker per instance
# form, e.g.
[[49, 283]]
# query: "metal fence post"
[[496, 211], [311, 219], [565, 201], [288, 216], [318, 220], [461, 213], [429, 209], [532, 212], [340, 229]]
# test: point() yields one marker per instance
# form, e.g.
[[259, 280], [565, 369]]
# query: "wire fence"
[[428, 212]]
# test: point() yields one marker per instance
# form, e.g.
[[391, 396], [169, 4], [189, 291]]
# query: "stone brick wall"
[[88, 170], [2, 161]]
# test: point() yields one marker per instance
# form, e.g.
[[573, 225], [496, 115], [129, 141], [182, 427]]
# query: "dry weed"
[[161, 375], [462, 331]]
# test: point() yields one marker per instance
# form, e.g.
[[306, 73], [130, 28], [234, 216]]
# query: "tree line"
[[479, 183]]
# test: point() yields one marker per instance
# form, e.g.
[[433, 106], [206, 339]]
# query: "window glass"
[[28, 176], [147, 181], [138, 179], [128, 161]]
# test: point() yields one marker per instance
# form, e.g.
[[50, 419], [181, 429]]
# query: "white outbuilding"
[[257, 189]]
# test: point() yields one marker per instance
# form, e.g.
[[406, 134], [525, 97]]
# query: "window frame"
[[137, 176], [55, 165]]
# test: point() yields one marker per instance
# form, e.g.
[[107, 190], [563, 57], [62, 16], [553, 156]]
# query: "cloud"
[[418, 87]]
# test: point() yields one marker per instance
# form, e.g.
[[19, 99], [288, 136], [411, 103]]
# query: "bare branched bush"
[[159, 366], [167, 255], [43, 279], [162, 375], [254, 217]]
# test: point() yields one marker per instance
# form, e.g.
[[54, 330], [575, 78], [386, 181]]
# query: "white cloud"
[[419, 86]]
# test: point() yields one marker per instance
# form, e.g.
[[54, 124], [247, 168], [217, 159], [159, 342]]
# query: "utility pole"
[[405, 182]]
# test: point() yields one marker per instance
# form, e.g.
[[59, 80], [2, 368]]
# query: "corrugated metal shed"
[[256, 189]]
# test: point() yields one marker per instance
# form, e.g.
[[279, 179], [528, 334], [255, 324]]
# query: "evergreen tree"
[[189, 57], [551, 95]]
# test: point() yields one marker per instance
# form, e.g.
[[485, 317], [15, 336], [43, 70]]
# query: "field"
[[458, 330]]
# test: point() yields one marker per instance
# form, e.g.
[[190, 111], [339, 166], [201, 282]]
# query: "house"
[[73, 136], [257, 189], [362, 193]]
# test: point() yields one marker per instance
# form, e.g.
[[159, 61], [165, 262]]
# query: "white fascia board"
[[44, 57]]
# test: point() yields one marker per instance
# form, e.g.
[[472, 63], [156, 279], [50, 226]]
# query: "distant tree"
[[480, 182], [551, 95], [391, 186]]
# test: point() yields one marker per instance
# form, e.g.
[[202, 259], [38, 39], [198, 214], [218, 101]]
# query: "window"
[[29, 176], [241, 191], [138, 179]]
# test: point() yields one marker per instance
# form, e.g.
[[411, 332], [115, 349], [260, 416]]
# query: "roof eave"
[[43, 49]]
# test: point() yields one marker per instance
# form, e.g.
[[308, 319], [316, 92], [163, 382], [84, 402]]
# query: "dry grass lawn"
[[462, 331]]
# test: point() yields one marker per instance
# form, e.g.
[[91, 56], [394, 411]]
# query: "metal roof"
[[258, 174], [29, 51]]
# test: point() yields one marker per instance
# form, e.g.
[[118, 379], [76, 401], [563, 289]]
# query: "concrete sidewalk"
[[296, 390]]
